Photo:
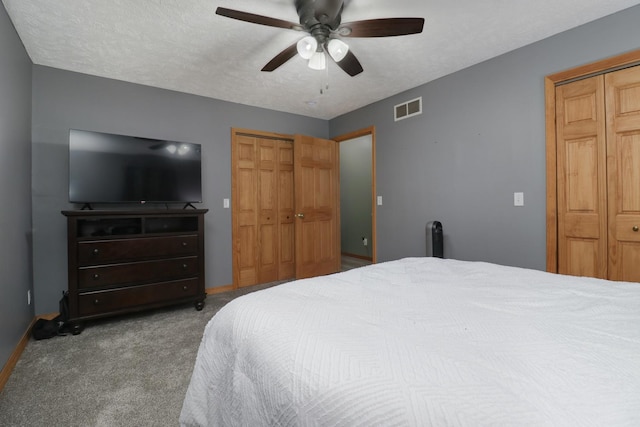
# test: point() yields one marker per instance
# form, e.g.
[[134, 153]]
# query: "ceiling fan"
[[321, 19]]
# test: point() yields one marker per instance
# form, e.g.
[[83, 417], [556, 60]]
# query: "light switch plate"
[[379, 200], [518, 199], [226, 203]]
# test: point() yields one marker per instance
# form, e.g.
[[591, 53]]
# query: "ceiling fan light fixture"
[[322, 21], [307, 47], [337, 49], [318, 61]]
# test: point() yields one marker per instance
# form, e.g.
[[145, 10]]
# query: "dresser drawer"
[[137, 272], [93, 303], [105, 251]]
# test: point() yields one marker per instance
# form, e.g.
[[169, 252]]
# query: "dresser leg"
[[77, 328], [199, 305]]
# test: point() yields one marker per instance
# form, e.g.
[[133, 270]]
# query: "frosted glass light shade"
[[307, 47], [337, 49], [318, 61]]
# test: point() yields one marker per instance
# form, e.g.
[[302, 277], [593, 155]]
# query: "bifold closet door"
[[598, 176], [286, 215], [581, 178], [267, 202], [262, 215], [623, 150], [245, 210]]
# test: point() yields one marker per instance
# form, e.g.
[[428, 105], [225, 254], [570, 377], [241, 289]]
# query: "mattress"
[[419, 342]]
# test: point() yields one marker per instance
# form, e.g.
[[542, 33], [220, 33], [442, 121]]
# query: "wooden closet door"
[[623, 151], [245, 210], [581, 175], [262, 209], [267, 199], [286, 230]]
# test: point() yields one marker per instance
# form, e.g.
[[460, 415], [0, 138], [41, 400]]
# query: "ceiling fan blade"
[[384, 27], [257, 19], [350, 64], [281, 58]]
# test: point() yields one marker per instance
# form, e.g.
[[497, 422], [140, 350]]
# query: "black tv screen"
[[109, 168]]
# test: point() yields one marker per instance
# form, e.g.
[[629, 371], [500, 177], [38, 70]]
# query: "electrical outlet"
[[29, 297], [364, 241]]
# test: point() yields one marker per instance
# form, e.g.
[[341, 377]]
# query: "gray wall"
[[64, 100], [355, 195], [15, 188], [481, 138]]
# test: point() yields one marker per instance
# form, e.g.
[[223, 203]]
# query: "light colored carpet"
[[125, 371]]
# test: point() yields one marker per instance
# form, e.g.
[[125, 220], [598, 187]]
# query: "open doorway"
[[357, 198]]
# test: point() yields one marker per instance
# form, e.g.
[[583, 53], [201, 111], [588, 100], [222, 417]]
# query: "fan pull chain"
[[324, 85]]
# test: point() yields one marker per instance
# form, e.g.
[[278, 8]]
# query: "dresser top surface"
[[133, 212]]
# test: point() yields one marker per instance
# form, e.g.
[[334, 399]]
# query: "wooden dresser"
[[126, 261]]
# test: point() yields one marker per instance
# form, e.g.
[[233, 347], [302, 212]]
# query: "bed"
[[423, 341]]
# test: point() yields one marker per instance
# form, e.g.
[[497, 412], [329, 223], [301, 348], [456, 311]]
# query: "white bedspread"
[[423, 341]]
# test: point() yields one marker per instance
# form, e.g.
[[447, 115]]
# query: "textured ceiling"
[[184, 46]]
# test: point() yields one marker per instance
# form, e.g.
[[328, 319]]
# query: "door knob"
[[300, 215], [635, 228]]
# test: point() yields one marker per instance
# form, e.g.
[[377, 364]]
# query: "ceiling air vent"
[[408, 109]]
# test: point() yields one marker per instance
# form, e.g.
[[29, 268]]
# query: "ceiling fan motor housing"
[[319, 13]]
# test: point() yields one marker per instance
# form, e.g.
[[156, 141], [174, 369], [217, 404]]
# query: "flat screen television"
[[109, 168]]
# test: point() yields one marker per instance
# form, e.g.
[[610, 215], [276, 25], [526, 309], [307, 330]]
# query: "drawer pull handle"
[[96, 251], [184, 266], [185, 288], [635, 228], [184, 244], [96, 301], [96, 276]]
